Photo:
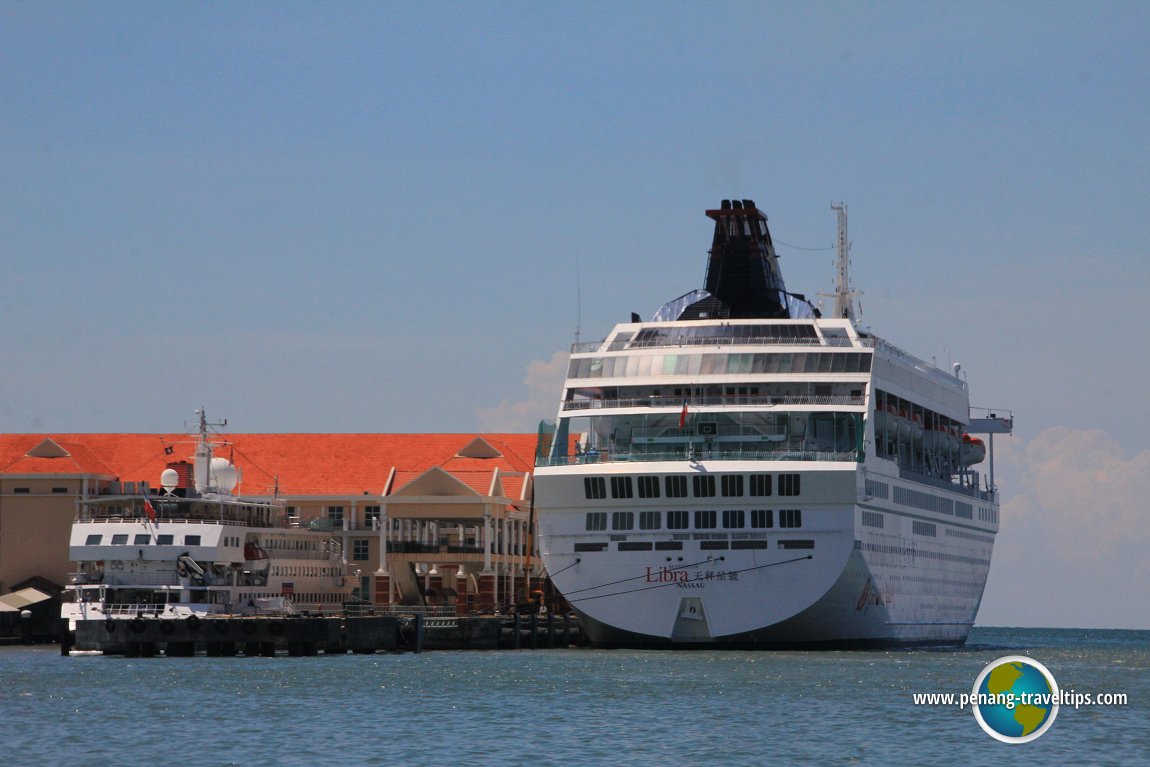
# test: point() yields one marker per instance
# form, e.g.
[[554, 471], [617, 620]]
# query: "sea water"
[[569, 707]]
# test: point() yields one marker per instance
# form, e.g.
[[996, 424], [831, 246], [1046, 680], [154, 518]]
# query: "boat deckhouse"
[[423, 519]]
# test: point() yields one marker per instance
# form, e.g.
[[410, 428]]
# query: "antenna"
[[578, 299], [845, 295]]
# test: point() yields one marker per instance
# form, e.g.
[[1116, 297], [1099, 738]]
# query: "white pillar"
[[384, 537], [487, 541]]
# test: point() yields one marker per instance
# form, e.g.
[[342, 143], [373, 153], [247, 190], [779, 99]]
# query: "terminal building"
[[423, 519]]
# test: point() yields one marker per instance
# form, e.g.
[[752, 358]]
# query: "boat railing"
[[731, 400], [699, 453], [586, 347]]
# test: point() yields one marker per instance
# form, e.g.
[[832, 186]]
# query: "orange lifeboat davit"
[[973, 450]]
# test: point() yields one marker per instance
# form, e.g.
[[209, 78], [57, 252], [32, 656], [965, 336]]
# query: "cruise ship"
[[193, 548], [745, 471]]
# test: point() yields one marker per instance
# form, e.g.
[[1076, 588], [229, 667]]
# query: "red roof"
[[300, 464]]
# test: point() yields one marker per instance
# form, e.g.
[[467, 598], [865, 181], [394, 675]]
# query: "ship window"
[[165, 540], [360, 550], [141, 539], [762, 518], [790, 518], [191, 540], [677, 520], [595, 487], [924, 528], [21, 490], [621, 487], [120, 539], [760, 484], [734, 518], [650, 520], [704, 485], [788, 484], [676, 486], [732, 485], [59, 490], [705, 520], [597, 520], [93, 540], [648, 487], [622, 520]]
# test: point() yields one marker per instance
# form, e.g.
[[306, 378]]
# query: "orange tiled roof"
[[299, 464]]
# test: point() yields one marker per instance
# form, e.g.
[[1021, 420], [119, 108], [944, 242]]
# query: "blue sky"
[[375, 217]]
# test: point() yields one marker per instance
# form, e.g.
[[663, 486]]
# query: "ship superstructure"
[[743, 471], [195, 548]]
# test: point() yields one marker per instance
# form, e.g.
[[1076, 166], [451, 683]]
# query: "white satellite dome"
[[224, 474], [169, 479]]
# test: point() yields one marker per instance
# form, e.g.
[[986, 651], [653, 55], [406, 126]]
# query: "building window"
[[732, 485], [760, 485], [678, 520], [360, 550], [762, 518], [872, 519], [924, 528], [21, 490], [650, 520], [790, 517], [595, 487], [622, 520], [788, 484], [621, 487], [59, 490], [734, 519], [370, 515], [705, 520], [597, 520], [648, 487], [335, 515], [676, 486], [704, 485]]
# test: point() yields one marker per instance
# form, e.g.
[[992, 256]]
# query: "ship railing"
[[427, 611], [586, 347], [731, 400], [699, 454]]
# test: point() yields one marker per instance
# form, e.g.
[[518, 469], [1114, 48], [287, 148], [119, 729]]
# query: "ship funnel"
[[743, 277]]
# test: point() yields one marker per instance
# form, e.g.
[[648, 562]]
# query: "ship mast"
[[846, 306]]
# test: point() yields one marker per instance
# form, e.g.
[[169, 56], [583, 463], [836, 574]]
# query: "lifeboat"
[[903, 422], [973, 450], [915, 427], [936, 438], [884, 421]]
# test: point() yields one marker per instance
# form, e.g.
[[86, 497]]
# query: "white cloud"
[[544, 382], [1071, 550]]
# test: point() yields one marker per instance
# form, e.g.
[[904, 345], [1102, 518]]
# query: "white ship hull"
[[832, 582]]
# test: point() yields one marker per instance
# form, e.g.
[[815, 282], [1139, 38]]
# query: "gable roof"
[[297, 464]]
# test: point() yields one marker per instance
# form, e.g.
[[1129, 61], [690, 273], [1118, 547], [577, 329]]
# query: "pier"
[[299, 636]]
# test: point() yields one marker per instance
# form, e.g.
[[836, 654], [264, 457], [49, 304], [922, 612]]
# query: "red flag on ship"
[[683, 415], [149, 509]]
